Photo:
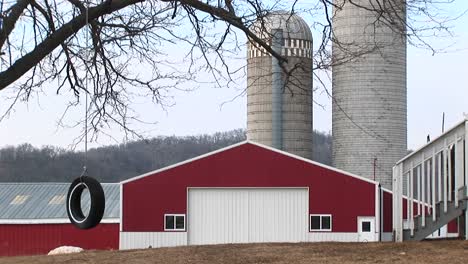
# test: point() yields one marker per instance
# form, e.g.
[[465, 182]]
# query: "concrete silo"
[[369, 87], [279, 105]]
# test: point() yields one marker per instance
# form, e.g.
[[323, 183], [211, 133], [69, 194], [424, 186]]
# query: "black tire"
[[97, 206]]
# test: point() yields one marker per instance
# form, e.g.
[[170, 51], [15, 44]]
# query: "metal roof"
[[41, 201], [293, 26]]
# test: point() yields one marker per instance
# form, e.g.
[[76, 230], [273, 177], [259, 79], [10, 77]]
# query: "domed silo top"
[[296, 34]]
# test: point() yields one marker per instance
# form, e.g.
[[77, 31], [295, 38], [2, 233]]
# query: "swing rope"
[[86, 99]]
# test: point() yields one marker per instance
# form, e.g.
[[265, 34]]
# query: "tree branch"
[[10, 20], [27, 62]]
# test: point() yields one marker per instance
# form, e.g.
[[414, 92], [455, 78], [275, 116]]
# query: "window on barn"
[[366, 226], [174, 222], [320, 222], [19, 199], [57, 199]]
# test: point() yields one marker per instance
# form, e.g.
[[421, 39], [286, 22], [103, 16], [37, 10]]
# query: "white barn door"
[[238, 215], [366, 229]]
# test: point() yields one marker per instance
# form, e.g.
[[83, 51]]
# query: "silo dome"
[[293, 26], [295, 110]]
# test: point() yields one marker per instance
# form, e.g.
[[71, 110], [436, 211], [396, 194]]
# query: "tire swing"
[[75, 191], [97, 202]]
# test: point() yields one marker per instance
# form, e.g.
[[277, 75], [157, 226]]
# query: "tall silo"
[[279, 105], [369, 112]]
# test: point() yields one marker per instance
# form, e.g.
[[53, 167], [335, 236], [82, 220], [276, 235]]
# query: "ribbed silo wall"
[[297, 125], [369, 109]]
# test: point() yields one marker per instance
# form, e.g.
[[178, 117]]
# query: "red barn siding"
[[146, 200], [387, 214], [33, 239], [452, 227]]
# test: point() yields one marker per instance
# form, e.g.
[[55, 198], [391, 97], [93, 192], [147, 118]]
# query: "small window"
[[320, 222], [366, 226], [57, 199], [174, 222], [19, 199]]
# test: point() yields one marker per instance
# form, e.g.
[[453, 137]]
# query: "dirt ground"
[[455, 251]]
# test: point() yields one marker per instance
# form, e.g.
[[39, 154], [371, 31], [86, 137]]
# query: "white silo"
[[279, 105], [369, 87]]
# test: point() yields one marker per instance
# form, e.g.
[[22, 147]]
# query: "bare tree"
[[93, 46]]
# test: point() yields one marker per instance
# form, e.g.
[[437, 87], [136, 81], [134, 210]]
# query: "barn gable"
[[246, 166]]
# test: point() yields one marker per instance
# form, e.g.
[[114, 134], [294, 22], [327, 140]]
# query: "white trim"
[[332, 237], [433, 140], [250, 187], [452, 235], [366, 219], [258, 145], [313, 162], [70, 211], [175, 224], [121, 208], [387, 190], [466, 177], [433, 187], [48, 183], [377, 209], [187, 214], [183, 162], [49, 221], [423, 191], [143, 240], [321, 229]]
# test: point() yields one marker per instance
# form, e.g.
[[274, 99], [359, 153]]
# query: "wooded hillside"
[[25, 163]]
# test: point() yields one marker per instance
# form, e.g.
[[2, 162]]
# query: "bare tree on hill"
[[92, 47]]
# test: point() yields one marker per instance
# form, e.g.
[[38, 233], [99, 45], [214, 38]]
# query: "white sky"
[[436, 84]]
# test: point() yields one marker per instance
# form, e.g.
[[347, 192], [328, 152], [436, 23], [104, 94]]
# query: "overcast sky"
[[436, 84]]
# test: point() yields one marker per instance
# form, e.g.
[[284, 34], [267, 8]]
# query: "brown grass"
[[455, 251]]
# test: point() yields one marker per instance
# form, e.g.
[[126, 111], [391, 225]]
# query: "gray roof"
[[39, 201], [293, 26]]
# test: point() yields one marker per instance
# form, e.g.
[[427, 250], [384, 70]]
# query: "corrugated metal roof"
[[37, 204]]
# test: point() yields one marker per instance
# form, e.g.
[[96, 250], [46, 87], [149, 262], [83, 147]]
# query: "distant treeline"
[[25, 163]]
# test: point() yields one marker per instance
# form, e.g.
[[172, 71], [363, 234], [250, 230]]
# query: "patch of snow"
[[65, 250]]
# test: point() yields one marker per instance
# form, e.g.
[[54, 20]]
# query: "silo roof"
[[293, 26], [33, 201]]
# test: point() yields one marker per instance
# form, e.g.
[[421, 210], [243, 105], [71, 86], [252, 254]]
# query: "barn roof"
[[45, 202], [249, 142]]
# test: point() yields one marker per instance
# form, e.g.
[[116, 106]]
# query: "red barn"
[[33, 219], [250, 193]]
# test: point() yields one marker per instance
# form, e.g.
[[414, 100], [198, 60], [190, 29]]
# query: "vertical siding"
[[247, 215], [386, 237], [35, 239], [217, 214], [146, 200], [332, 237], [387, 214], [452, 226], [136, 240]]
